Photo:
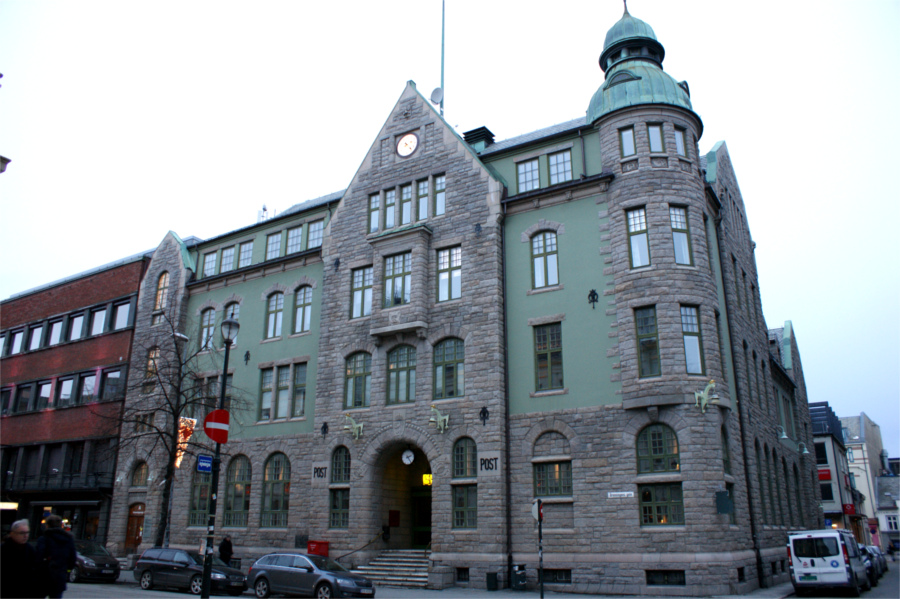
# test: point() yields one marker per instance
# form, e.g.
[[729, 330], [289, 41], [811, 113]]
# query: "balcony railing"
[[59, 482]]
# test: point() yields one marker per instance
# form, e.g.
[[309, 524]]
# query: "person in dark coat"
[[226, 550], [56, 550], [19, 577]]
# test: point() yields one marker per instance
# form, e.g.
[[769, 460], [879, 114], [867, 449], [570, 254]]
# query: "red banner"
[[824, 474], [849, 509]]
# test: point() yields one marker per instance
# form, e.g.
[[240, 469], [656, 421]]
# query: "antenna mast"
[[443, 20]]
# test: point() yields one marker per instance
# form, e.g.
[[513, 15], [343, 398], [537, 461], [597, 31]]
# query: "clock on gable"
[[407, 144]]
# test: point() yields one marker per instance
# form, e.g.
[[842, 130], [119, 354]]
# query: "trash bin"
[[519, 578], [317, 548], [492, 581]]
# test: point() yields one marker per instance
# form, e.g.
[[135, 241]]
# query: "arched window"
[[276, 491], [340, 465], [357, 380], [464, 458], [274, 313], [150, 374], [726, 453], [302, 309], [199, 508], [545, 269], [789, 496], [449, 368], [401, 386], [207, 327], [552, 476], [657, 450], [237, 491], [162, 297], [760, 475], [140, 475], [233, 311]]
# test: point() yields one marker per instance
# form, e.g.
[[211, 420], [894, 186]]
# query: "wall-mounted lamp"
[[802, 445], [484, 414], [324, 428], [477, 229], [337, 264], [247, 358], [593, 298], [782, 434], [181, 337]]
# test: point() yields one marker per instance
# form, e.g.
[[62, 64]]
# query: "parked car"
[[826, 558], [876, 569], [93, 562], [881, 557], [302, 574], [871, 566], [184, 570]]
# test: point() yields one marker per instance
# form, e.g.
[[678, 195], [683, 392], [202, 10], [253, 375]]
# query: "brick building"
[[65, 353], [472, 325]]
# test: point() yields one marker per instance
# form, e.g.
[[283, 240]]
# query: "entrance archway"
[[406, 496]]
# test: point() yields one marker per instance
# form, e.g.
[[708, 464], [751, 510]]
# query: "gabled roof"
[[527, 138]]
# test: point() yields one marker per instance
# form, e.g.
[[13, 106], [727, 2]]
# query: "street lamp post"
[[229, 334]]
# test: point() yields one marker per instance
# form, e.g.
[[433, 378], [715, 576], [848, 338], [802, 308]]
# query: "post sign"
[[216, 425], [489, 463], [204, 463]]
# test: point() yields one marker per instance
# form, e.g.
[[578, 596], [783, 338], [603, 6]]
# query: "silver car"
[[286, 573]]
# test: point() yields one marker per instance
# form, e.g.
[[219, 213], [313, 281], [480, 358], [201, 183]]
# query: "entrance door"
[[134, 534], [421, 517]]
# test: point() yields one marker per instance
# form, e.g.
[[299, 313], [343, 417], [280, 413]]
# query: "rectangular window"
[[16, 345], [638, 242], [422, 199], [294, 239], [246, 255], [827, 491], [299, 390], [374, 211], [849, 454], [98, 320], [316, 229], [656, 138], [397, 279], [527, 175], [35, 335], [390, 207], [680, 234], [661, 504], [626, 142], [121, 312], [560, 167], [693, 346], [665, 578], [821, 454], [679, 142], [462, 575], [43, 395], [227, 260], [64, 389], [449, 274], [339, 516], [23, 397], [361, 298], [87, 388], [892, 522], [209, 264], [265, 394], [548, 357], [273, 246], [647, 340], [554, 575], [55, 332], [282, 398], [112, 385], [553, 478], [440, 194], [465, 506], [406, 205]]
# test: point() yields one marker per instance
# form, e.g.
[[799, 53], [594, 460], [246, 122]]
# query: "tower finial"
[[625, 2]]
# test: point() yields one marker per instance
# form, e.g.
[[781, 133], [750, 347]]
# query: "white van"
[[826, 559]]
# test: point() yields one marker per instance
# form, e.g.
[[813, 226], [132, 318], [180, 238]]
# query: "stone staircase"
[[405, 568]]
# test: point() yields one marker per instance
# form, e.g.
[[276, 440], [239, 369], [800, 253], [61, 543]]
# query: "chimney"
[[479, 138]]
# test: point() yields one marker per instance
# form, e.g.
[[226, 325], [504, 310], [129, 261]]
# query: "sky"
[[125, 120]]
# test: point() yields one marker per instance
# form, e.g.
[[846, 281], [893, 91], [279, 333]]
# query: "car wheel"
[[74, 574], [196, 585], [323, 591], [261, 588], [147, 580]]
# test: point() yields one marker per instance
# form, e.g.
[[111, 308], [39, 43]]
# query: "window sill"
[[686, 266], [662, 527], [557, 499], [301, 334], [404, 404], [464, 481], [650, 478], [270, 340], [360, 318], [448, 302], [547, 289], [563, 391], [465, 530], [338, 485]]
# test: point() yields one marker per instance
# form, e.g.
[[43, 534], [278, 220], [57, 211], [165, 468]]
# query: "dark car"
[[879, 556], [184, 570], [286, 573], [93, 562]]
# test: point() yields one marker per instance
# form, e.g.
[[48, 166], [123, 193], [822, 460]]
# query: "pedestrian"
[[226, 550], [892, 551], [19, 576], [56, 553]]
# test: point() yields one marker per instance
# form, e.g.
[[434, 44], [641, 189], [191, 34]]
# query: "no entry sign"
[[216, 426]]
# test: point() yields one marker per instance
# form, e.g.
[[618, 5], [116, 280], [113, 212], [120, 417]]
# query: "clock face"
[[408, 457], [407, 144]]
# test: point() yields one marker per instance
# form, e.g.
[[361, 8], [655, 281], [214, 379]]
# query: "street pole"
[[214, 488], [541, 545]]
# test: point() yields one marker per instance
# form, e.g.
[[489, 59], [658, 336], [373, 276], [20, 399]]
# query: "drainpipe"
[[583, 157], [507, 481]]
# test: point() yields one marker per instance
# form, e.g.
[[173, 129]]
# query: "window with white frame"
[[273, 246], [527, 175], [227, 259], [560, 167], [246, 255], [545, 268], [693, 344], [638, 241], [316, 228], [361, 292], [680, 234], [294, 240], [209, 264]]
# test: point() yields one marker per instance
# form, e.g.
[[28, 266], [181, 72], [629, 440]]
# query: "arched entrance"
[[134, 533], [406, 496]]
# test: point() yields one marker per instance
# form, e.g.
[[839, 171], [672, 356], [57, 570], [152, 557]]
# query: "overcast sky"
[[125, 119]]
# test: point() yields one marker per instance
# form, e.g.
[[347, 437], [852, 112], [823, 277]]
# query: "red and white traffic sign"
[[216, 425]]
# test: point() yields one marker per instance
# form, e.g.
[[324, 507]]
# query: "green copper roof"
[[632, 83], [627, 28]]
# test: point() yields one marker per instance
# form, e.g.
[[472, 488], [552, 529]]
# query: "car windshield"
[[816, 547], [327, 564], [91, 548], [199, 560]]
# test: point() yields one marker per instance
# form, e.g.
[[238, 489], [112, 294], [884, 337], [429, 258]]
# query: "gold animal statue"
[[354, 428], [707, 396], [439, 420]]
